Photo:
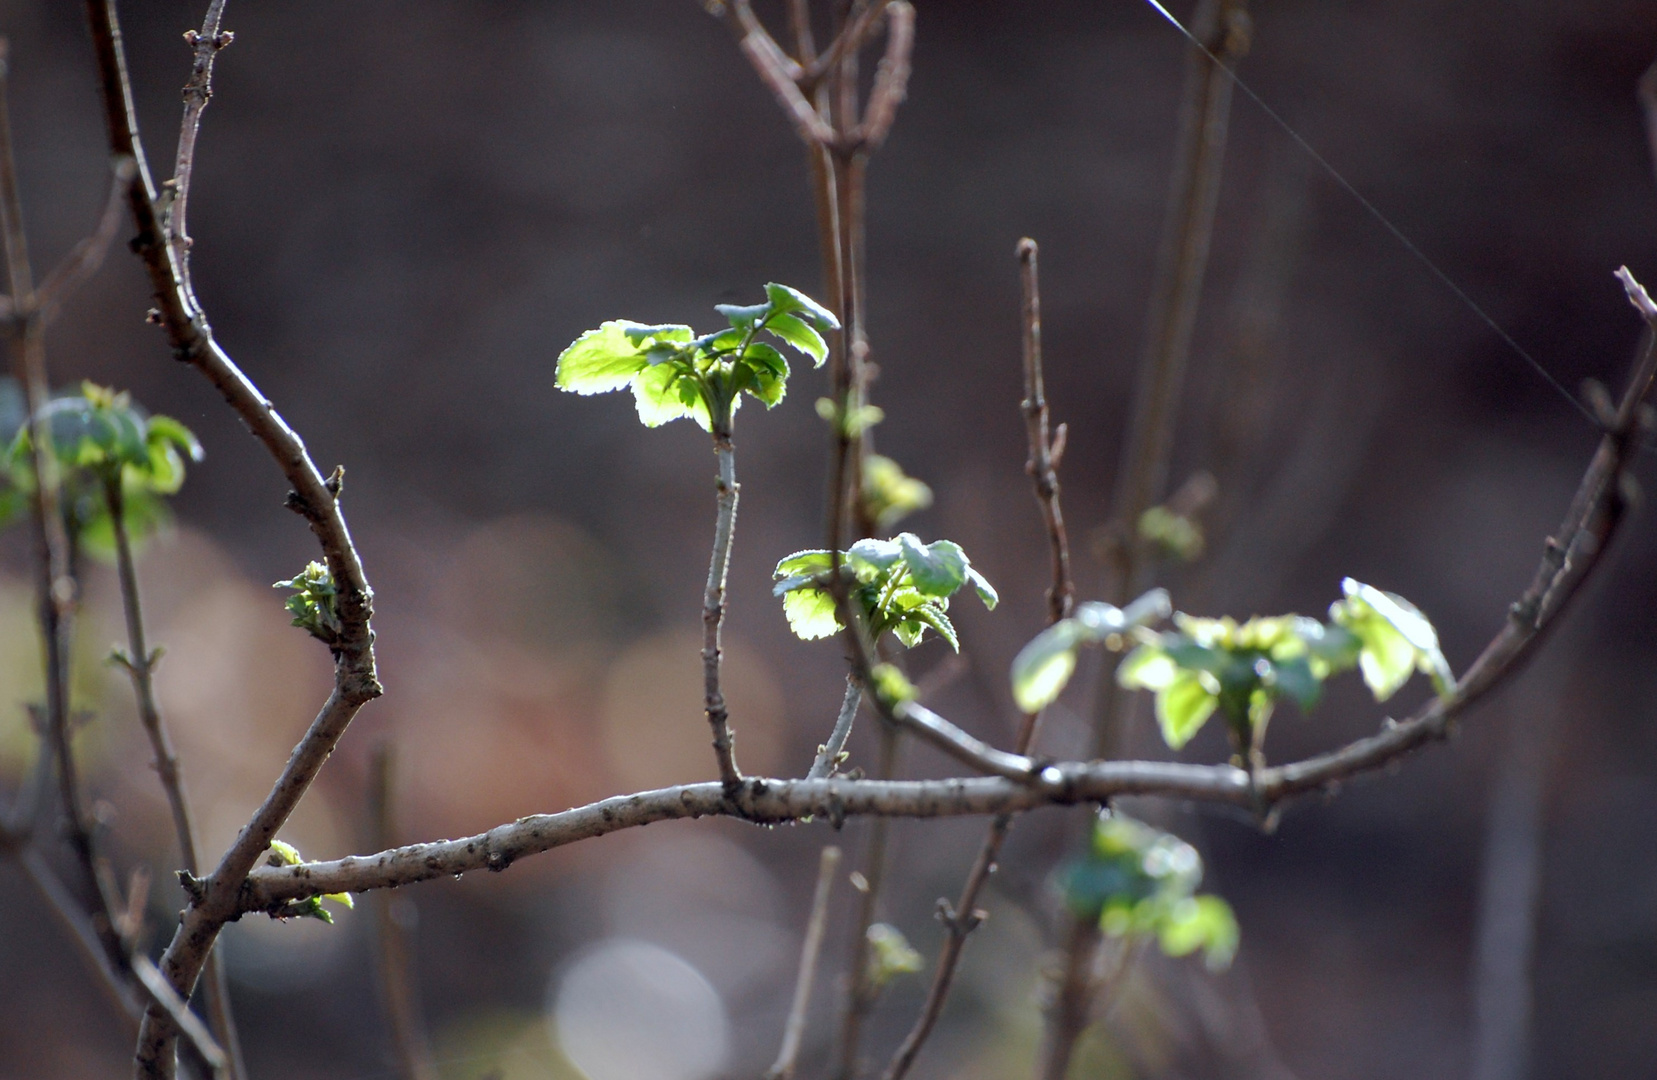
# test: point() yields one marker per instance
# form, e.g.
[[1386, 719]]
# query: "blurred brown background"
[[404, 211]]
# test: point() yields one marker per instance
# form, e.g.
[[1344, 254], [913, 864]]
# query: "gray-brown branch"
[[315, 499], [713, 610]]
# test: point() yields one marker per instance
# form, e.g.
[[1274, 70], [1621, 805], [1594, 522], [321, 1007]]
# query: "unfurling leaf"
[[890, 955], [1396, 638], [1042, 668], [315, 603]]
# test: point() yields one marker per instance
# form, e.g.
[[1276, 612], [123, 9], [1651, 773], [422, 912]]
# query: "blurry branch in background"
[[393, 918], [964, 916], [1224, 28], [789, 1054], [104, 937], [140, 661], [1504, 941], [861, 990], [214, 899], [1648, 100]]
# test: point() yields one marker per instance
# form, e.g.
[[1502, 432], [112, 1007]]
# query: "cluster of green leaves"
[[315, 602], [1242, 670], [901, 585], [1042, 668], [1140, 882], [889, 956], [98, 437], [674, 373], [282, 853]]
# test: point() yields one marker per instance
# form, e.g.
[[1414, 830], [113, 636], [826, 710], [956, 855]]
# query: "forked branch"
[[215, 899]]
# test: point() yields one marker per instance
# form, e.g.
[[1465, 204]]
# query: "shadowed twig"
[[397, 983], [828, 755], [713, 607], [964, 916], [140, 662], [810, 950]]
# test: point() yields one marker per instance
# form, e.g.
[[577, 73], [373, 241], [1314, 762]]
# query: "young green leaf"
[[937, 569], [605, 359], [801, 335], [1396, 639], [890, 955], [1044, 666], [786, 301]]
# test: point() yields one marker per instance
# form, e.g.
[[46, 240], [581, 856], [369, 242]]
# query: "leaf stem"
[[713, 604]]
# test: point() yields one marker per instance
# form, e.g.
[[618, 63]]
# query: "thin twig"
[[713, 609], [810, 950], [891, 77], [55, 584], [397, 984], [316, 499], [860, 993], [828, 754], [964, 916], [1043, 462], [1648, 101], [198, 91], [140, 664]]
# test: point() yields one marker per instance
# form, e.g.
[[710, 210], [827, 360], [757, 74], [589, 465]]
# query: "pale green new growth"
[[901, 585], [315, 603], [1137, 881], [1042, 668], [282, 853], [675, 374], [890, 955], [100, 440], [1242, 670]]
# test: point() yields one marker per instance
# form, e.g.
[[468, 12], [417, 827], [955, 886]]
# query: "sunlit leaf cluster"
[[1042, 669], [901, 585], [98, 437], [1140, 882], [674, 373], [1242, 670]]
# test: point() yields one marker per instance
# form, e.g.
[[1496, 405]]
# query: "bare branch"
[[812, 948], [852, 37], [860, 992], [312, 497], [828, 755], [139, 661], [964, 916], [1042, 465], [1648, 101], [774, 67], [891, 78], [198, 91]]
